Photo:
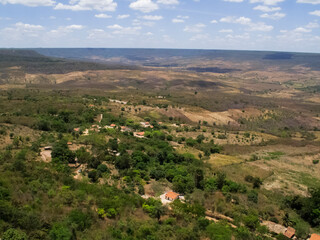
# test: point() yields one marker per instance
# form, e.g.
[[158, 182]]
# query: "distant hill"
[[179, 57], [31, 61]]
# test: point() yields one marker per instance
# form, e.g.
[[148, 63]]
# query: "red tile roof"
[[290, 232], [172, 195], [315, 237]]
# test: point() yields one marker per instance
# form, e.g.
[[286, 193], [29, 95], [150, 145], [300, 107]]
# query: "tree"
[[81, 220], [199, 178], [82, 155], [123, 161], [251, 221], [60, 232], [257, 182], [218, 231], [183, 184], [93, 175], [154, 208], [61, 152], [14, 234], [221, 179]]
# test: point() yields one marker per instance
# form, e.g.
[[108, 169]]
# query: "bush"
[[81, 220], [315, 161], [60, 232], [253, 196], [222, 136], [14, 234], [251, 221], [249, 178], [102, 168], [218, 231]]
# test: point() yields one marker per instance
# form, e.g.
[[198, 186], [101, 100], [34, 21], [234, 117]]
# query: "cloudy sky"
[[282, 25]]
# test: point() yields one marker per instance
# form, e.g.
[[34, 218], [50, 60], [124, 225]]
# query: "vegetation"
[[95, 164]]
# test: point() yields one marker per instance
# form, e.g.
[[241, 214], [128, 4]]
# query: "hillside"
[[208, 148]]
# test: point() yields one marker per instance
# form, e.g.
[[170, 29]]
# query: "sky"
[[278, 25]]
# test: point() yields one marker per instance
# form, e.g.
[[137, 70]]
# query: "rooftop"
[[314, 236], [290, 232], [172, 195]]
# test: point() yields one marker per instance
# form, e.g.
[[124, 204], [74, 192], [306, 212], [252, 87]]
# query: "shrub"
[[249, 178], [14, 234], [222, 136], [253, 196], [81, 220], [315, 161]]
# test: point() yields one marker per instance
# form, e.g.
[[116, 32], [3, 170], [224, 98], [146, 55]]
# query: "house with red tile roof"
[[314, 236], [138, 134], [290, 232], [171, 196]]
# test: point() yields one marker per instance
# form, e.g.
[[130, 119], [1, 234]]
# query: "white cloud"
[[127, 31], [267, 2], [180, 19], [266, 8], [240, 20], [144, 6], [25, 27], [312, 25], [74, 27], [63, 30], [152, 17], [260, 27], [274, 16], [316, 13], [177, 20], [102, 15], [168, 2], [98, 35], [200, 37], [22, 33], [309, 1], [137, 22], [302, 30], [236, 1], [123, 16], [115, 26], [244, 36], [214, 21], [195, 28], [30, 3], [226, 31], [85, 5]]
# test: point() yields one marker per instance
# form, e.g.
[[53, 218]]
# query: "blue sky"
[[282, 25]]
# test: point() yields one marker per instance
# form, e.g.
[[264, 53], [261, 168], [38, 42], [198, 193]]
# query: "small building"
[[171, 196], [145, 124], [314, 236], [125, 129], [76, 129], [113, 125], [138, 134], [48, 148], [290, 232], [69, 143], [86, 132]]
